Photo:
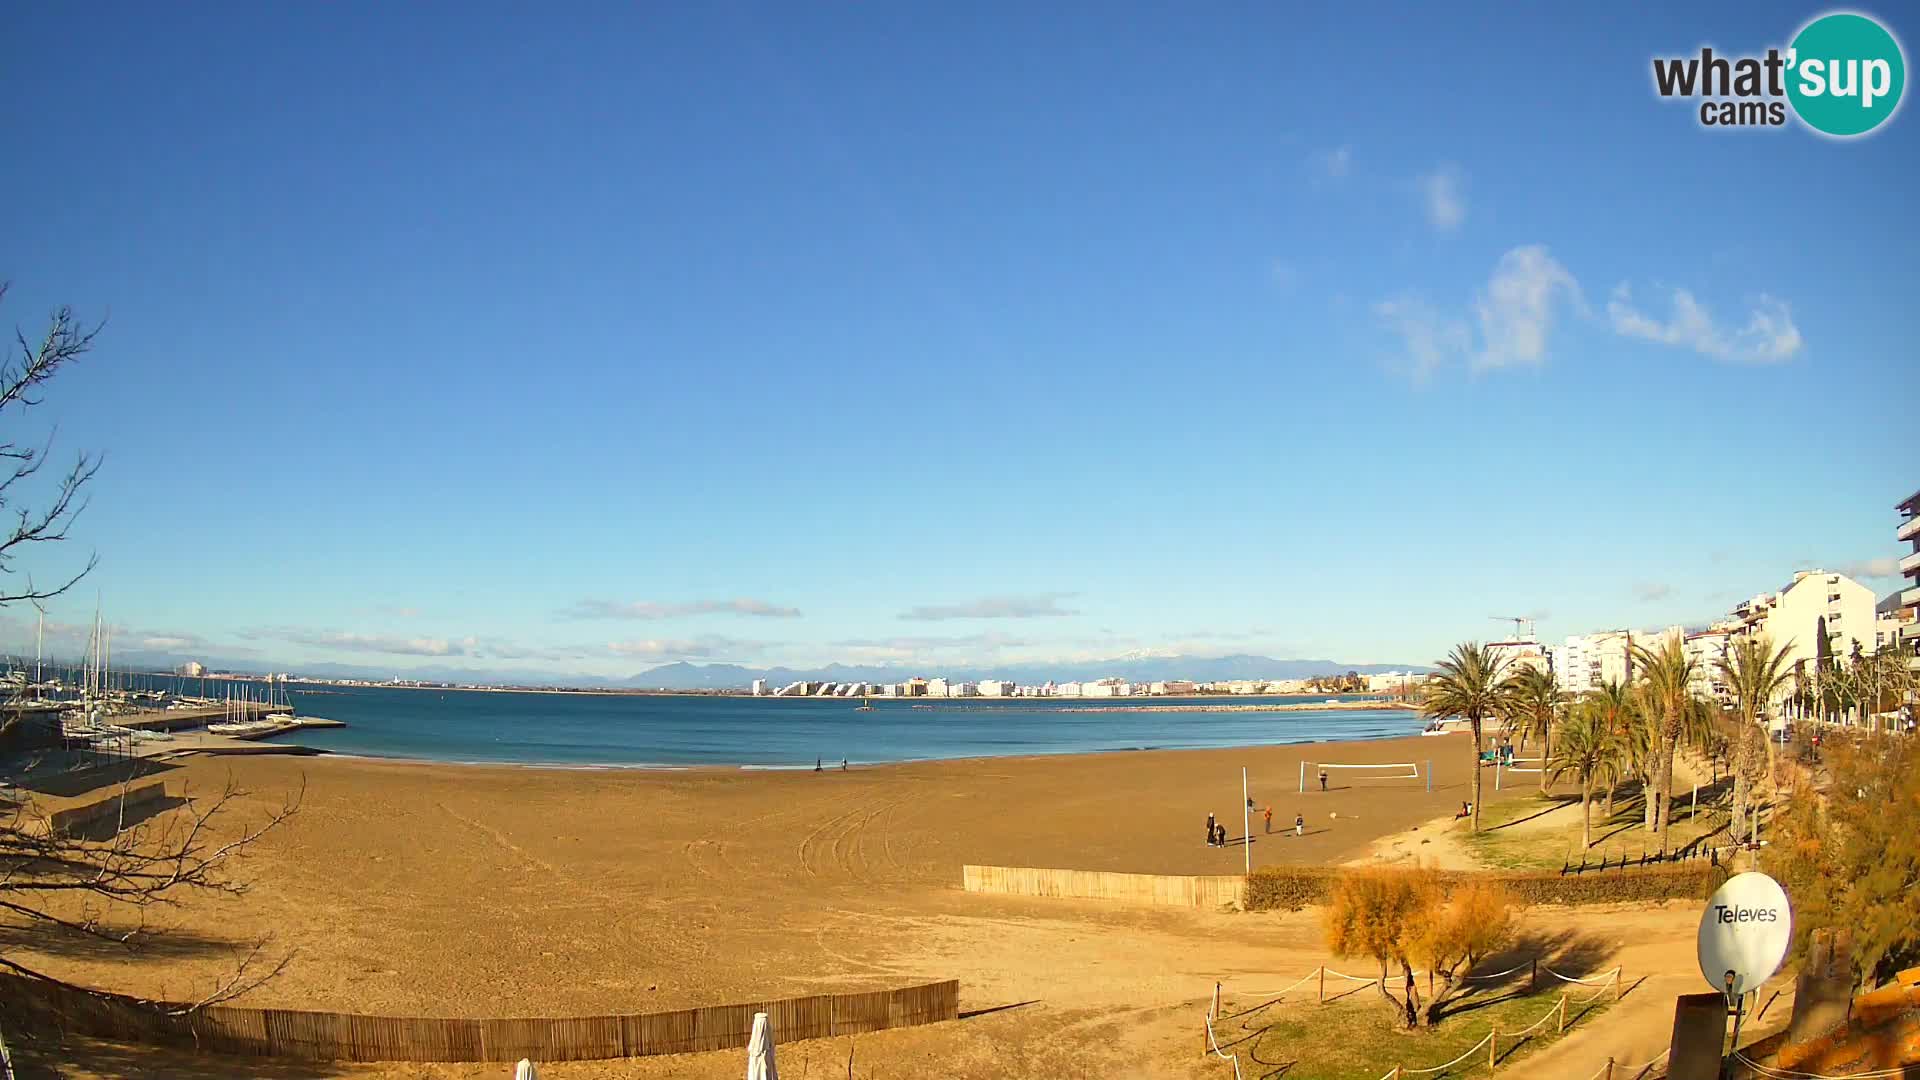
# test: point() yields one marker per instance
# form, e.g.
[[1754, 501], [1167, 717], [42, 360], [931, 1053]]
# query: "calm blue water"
[[564, 729]]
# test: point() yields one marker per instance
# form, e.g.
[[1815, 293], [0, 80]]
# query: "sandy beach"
[[470, 890], [407, 888]]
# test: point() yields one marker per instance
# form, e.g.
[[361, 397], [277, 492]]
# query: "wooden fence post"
[[1609, 1069], [1561, 1027], [1533, 978], [1323, 988], [1493, 1046]]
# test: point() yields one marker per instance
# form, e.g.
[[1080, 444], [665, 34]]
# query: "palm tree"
[[1666, 675], [1532, 709], [1639, 752], [1614, 703], [1586, 750], [1469, 684], [1756, 672]]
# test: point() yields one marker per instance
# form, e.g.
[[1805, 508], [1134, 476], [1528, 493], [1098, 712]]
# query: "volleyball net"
[[1372, 772]]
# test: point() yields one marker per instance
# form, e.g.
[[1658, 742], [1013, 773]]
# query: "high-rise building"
[[1815, 602], [1907, 599]]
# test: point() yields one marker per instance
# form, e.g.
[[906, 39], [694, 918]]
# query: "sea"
[[674, 731]]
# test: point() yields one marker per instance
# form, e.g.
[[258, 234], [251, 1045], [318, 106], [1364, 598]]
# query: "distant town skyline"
[[594, 342]]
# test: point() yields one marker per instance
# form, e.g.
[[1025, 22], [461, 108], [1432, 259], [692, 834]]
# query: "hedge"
[[1290, 888]]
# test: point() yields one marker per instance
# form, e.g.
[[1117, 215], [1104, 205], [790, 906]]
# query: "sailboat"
[[866, 704]]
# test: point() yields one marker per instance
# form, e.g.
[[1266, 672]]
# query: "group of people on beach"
[[1217, 833]]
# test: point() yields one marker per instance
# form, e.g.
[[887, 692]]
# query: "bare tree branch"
[[65, 341]]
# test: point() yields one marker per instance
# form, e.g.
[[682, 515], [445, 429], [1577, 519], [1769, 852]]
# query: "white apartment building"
[[1067, 689], [1907, 600], [1814, 601], [962, 689], [1109, 687], [1707, 649], [936, 687], [1586, 662], [997, 688], [759, 687], [1512, 656]]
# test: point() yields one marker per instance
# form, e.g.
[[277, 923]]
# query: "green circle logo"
[[1845, 74]]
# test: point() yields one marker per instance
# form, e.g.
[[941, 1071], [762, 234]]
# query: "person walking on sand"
[[817, 763], [1268, 815], [1210, 834], [1323, 780], [1299, 825], [843, 764]]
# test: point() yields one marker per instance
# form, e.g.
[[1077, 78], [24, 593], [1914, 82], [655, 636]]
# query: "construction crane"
[[1522, 626]]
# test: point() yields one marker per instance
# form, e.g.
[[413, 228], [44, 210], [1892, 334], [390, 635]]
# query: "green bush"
[[1290, 888]]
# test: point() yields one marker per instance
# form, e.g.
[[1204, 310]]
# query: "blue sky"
[[589, 340]]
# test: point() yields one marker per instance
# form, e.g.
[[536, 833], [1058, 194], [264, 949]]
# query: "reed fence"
[[1192, 891], [326, 1036]]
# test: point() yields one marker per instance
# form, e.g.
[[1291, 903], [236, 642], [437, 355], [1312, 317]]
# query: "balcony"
[[1909, 528], [1910, 565], [1910, 598]]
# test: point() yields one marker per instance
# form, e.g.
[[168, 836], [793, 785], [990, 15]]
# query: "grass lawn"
[[1515, 836], [1359, 1038]]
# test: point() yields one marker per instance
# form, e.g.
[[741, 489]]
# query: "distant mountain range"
[[687, 676], [690, 676]]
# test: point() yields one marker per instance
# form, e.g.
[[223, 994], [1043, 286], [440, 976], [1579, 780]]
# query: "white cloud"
[[1769, 335], [348, 641], [1335, 163], [1872, 568], [650, 609], [1651, 591], [1431, 338], [1516, 310], [485, 648], [702, 648], [1442, 193], [1041, 605]]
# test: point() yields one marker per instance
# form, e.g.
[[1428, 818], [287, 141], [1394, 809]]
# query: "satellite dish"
[[1745, 931]]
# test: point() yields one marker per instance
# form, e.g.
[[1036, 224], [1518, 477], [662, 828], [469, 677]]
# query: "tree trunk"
[[1740, 797], [1586, 815], [1475, 721], [1612, 786], [1546, 754], [1430, 1012], [1399, 1007], [1416, 1016], [1650, 793], [1666, 790]]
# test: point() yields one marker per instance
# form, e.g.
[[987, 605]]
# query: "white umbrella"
[[760, 1050], [525, 1071]]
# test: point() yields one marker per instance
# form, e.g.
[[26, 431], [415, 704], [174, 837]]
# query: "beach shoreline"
[[826, 764]]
